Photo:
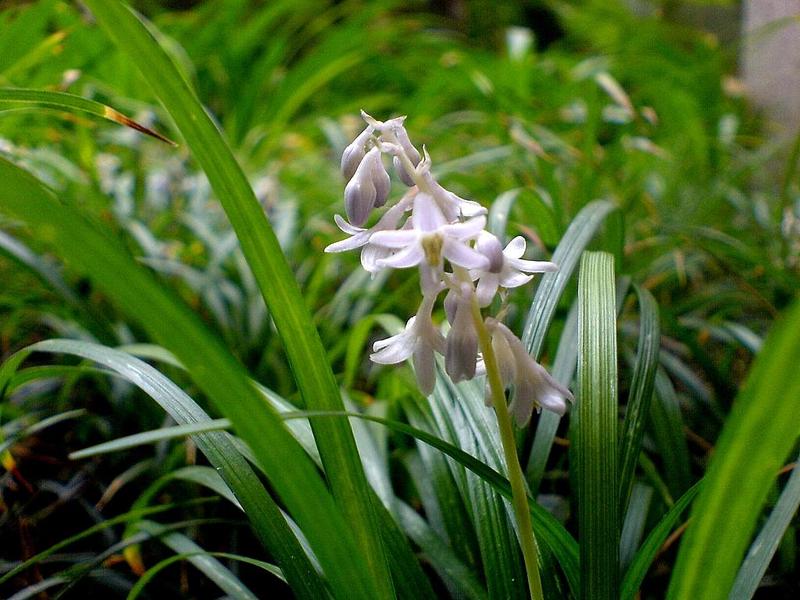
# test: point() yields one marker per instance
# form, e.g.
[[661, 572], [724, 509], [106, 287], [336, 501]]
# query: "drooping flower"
[[506, 268], [461, 349], [533, 385], [419, 340]]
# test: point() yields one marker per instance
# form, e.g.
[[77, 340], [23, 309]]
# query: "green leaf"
[[439, 554], [73, 103], [260, 246], [205, 563], [596, 442], [641, 393], [153, 571], [578, 235], [150, 437], [170, 322], [648, 551], [666, 425], [761, 430], [769, 538]]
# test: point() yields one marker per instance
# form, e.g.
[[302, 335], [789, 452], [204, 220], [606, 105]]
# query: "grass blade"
[[439, 554], [260, 246], [596, 443], [151, 573], [648, 551], [150, 437], [769, 538], [666, 424], [73, 103], [205, 563], [578, 235], [760, 432], [641, 393]]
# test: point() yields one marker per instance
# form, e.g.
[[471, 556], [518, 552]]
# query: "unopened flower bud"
[[402, 173], [360, 193], [461, 350], [379, 176], [450, 305], [412, 153], [354, 153]]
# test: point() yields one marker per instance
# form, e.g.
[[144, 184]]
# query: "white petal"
[[522, 404], [394, 239], [467, 229], [370, 256], [425, 369], [430, 278], [471, 209], [488, 245], [462, 255], [515, 248], [532, 266], [350, 243], [426, 214], [408, 257], [345, 226], [395, 349], [514, 279], [486, 289]]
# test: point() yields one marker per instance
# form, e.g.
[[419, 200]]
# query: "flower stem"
[[530, 551]]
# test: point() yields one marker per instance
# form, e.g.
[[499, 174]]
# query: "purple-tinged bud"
[[450, 305], [412, 153], [402, 173], [461, 349], [380, 178], [488, 245], [360, 193], [354, 153]]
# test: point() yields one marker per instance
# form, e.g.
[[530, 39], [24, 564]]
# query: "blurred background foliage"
[[544, 106]]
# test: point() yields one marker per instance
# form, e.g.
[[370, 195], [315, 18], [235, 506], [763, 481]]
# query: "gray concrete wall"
[[770, 60]]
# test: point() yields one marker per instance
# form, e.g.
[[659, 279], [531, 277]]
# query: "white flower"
[[506, 268], [430, 240], [360, 237], [418, 340], [533, 385]]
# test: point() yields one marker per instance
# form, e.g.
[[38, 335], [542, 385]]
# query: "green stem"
[[530, 551]]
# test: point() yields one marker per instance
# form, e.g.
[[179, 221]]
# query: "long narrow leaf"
[[73, 103], [759, 434], [642, 384], [649, 549], [596, 443], [578, 235], [260, 246], [205, 563], [769, 538]]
